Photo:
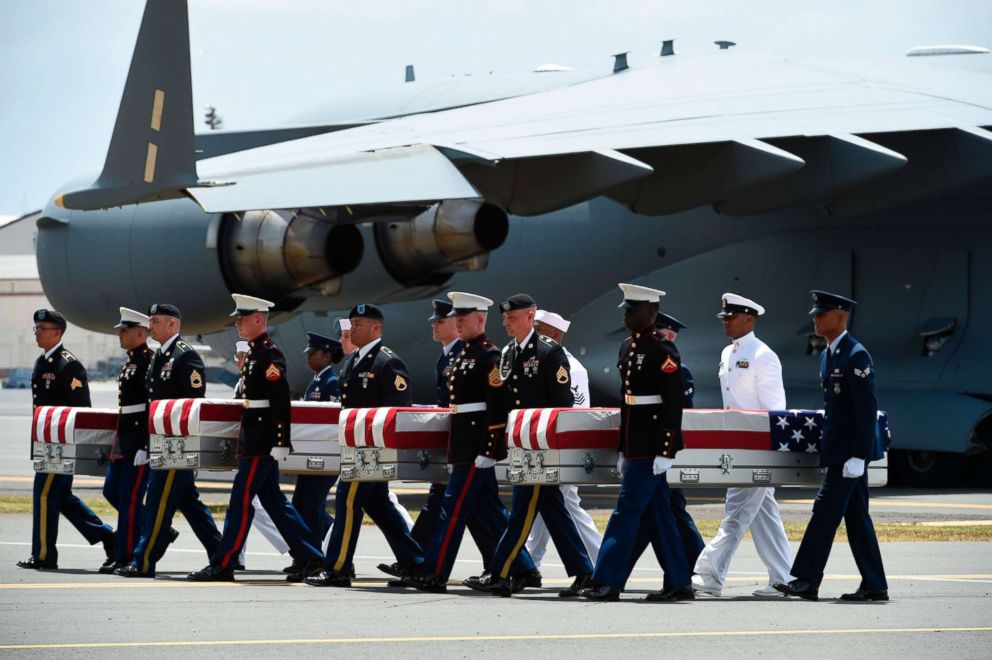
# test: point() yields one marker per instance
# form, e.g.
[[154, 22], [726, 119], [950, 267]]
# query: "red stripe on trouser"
[[184, 417], [130, 510], [246, 502], [63, 420], [48, 424], [454, 520], [167, 417]]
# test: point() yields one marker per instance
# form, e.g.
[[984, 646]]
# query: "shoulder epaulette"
[[547, 340], [388, 351], [66, 355], [183, 345]]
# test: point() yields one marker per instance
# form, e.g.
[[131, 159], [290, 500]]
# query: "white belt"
[[631, 400], [136, 408], [468, 407], [256, 403]]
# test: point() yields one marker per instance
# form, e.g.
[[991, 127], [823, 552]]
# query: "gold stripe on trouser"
[[43, 517], [163, 501], [349, 516], [528, 523]]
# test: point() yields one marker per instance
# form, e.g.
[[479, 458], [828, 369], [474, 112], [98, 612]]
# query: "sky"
[[263, 62]]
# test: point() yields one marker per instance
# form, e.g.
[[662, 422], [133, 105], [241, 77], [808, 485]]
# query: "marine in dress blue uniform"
[[263, 441], [849, 442], [125, 483], [59, 379], [475, 442], [372, 377], [536, 372], [650, 436], [176, 372]]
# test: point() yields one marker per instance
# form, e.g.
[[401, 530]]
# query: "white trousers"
[[537, 542], [757, 510], [263, 523]]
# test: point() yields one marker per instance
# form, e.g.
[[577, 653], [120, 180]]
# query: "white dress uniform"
[[537, 542], [750, 379]]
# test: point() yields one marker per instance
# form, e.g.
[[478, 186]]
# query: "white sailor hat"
[[132, 319], [634, 294], [246, 305], [552, 319], [345, 324], [241, 347], [465, 303], [731, 304]]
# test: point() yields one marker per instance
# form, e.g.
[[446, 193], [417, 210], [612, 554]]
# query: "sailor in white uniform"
[[554, 326], [750, 379]]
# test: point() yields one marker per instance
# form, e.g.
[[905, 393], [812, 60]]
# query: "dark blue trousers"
[[259, 475], [480, 528], [641, 493], [352, 500], [169, 490], [124, 487], [310, 501], [692, 540], [847, 500], [469, 489], [52, 496], [528, 501]]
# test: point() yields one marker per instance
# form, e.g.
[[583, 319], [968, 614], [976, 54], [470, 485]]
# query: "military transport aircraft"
[[697, 175]]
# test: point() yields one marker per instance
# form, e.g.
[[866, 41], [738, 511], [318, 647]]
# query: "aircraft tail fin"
[[152, 153]]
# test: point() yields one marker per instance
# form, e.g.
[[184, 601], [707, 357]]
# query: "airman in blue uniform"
[[849, 442]]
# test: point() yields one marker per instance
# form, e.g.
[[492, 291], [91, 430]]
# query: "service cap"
[[465, 303], [824, 301], [132, 319], [731, 303], [668, 322], [635, 294], [247, 305], [442, 308], [317, 342]]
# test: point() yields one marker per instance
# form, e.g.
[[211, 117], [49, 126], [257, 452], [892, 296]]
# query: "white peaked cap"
[[245, 305], [637, 293], [552, 319], [131, 318], [461, 301], [241, 347], [731, 303], [345, 324]]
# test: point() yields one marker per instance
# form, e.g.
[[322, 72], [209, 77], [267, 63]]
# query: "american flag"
[[796, 430]]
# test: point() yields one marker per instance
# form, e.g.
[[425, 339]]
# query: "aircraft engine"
[[448, 237]]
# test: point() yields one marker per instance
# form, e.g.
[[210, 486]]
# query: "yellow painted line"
[[954, 523], [907, 503], [157, 106], [150, 162], [506, 638]]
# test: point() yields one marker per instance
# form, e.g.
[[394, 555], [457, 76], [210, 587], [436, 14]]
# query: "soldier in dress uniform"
[[59, 379], [372, 377], [850, 441], [650, 436], [554, 326], [445, 332], [535, 370], [176, 372], [750, 379], [475, 442], [264, 440], [126, 481]]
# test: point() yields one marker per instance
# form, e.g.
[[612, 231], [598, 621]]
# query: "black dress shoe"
[[173, 534], [109, 568], [800, 588], [675, 593], [581, 582], [292, 568], [405, 582], [394, 569], [312, 568], [602, 592], [329, 579], [38, 565], [110, 548], [505, 587], [482, 582], [531, 579], [865, 595], [131, 571], [211, 573], [430, 583]]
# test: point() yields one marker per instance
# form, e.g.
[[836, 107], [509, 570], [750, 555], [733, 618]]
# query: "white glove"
[[483, 462], [141, 458], [660, 465], [621, 465], [280, 453], [853, 468]]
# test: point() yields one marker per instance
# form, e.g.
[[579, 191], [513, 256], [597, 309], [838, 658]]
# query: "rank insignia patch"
[[195, 379], [75, 384], [400, 383], [669, 366], [272, 373], [561, 375], [495, 380]]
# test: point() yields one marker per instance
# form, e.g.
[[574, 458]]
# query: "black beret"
[[365, 310], [441, 309], [517, 301], [164, 309], [50, 316]]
